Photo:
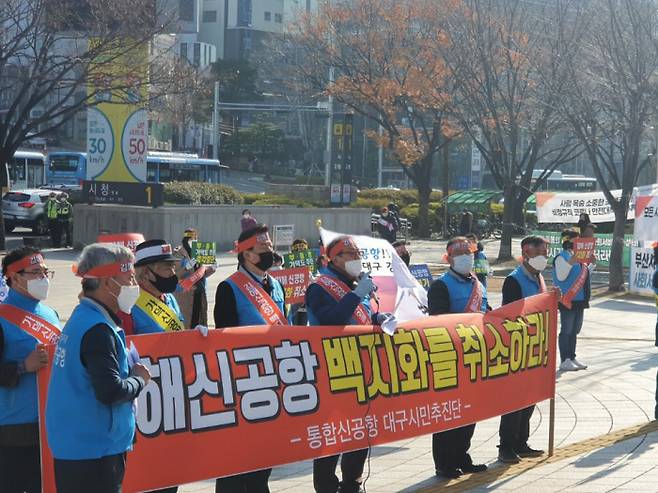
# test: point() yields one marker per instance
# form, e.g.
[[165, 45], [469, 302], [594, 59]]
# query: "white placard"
[[641, 272], [284, 234], [558, 207]]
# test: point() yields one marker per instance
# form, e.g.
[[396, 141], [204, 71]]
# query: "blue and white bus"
[[70, 168]]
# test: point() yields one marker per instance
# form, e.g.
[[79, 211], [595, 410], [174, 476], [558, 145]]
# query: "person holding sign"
[[524, 281], [456, 291], [573, 279], [26, 326], [341, 295], [250, 296], [191, 296], [480, 262], [89, 411]]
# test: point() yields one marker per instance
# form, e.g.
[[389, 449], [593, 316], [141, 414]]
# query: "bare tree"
[[54, 53], [611, 100], [508, 59]]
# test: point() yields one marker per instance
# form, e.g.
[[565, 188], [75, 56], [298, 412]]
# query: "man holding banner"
[[573, 279], [524, 281], [89, 412], [250, 296], [26, 326], [191, 295], [456, 291], [341, 296]]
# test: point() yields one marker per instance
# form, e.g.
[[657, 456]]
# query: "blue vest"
[[313, 319], [18, 405], [79, 426], [571, 278], [248, 314], [143, 324], [529, 285], [460, 290]]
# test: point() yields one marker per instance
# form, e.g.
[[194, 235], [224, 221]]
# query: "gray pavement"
[[594, 410]]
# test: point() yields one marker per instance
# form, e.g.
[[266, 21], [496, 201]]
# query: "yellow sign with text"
[[117, 125]]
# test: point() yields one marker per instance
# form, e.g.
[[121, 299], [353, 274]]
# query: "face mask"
[[165, 284], [127, 297], [266, 260], [353, 267], [463, 264], [406, 258], [538, 263], [38, 288]]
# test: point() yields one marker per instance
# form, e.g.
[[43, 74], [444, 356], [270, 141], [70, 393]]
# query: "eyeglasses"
[[39, 274], [350, 253]]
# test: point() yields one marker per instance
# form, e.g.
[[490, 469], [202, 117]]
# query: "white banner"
[[558, 207], [646, 218], [642, 269], [399, 292]]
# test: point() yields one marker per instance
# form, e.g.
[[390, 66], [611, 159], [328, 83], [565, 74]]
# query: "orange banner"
[[317, 391], [294, 282]]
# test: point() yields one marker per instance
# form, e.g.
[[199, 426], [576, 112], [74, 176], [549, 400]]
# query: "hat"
[[153, 251], [190, 233]]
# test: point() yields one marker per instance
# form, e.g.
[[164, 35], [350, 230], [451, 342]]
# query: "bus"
[[70, 168], [27, 169], [562, 182]]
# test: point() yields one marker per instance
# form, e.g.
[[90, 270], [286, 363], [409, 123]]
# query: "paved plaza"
[[605, 437]]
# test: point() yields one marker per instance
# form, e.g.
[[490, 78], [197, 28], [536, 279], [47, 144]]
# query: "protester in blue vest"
[[654, 283], [89, 411], [524, 281], [341, 295], [237, 304], [456, 291], [22, 355], [480, 262], [573, 279]]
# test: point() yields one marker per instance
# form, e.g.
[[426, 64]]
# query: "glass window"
[[165, 172], [197, 54], [64, 163], [17, 169], [151, 172], [278, 18], [213, 174], [186, 10], [183, 50], [209, 16], [268, 16]]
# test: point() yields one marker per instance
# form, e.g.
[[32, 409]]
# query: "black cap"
[[153, 251]]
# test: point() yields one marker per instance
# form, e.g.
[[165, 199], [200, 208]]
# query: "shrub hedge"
[[195, 193]]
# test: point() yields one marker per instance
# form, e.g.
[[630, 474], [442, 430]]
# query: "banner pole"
[[551, 428]]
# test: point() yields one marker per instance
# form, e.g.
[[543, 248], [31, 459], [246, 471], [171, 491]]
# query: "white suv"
[[26, 208]]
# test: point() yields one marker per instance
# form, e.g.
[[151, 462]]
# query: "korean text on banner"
[[294, 282], [398, 291], [316, 392], [602, 249], [299, 259], [204, 252], [641, 272], [646, 218], [554, 207], [130, 240]]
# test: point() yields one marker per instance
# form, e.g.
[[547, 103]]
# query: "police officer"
[[22, 355], [53, 224], [64, 216], [524, 281], [573, 279], [456, 291], [92, 383], [236, 305], [341, 296]]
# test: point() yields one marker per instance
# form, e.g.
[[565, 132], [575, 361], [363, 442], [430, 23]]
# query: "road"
[[243, 182]]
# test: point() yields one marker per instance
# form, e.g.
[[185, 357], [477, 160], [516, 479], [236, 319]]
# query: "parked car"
[[26, 208]]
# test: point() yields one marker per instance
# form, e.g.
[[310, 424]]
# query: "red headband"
[[107, 270], [340, 246], [472, 247], [250, 242], [24, 263]]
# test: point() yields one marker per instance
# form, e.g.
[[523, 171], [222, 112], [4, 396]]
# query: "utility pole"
[[330, 124], [380, 158], [215, 124]]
